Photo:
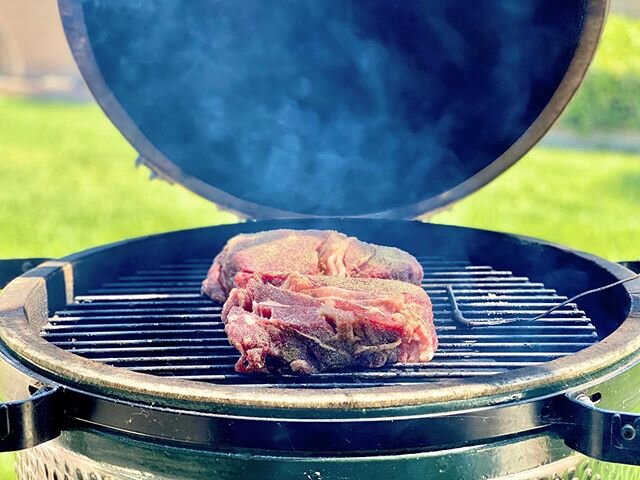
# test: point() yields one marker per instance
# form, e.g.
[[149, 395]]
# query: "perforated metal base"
[[54, 461], [49, 462]]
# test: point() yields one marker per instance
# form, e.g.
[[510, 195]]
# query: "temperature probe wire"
[[459, 317]]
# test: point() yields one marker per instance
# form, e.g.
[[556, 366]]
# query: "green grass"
[[67, 181], [6, 467], [609, 99], [618, 50], [588, 200]]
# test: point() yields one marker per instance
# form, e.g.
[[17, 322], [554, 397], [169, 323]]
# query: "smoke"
[[333, 107]]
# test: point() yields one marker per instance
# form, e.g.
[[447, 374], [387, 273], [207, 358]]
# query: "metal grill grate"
[[156, 322]]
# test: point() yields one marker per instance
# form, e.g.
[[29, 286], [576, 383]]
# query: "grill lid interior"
[[319, 107]]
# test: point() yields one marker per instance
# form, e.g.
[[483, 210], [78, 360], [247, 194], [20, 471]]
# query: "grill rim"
[[23, 305]]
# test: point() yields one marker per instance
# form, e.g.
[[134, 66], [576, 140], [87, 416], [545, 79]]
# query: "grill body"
[[315, 427], [97, 306]]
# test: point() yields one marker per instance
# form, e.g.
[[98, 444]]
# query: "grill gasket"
[[178, 333]]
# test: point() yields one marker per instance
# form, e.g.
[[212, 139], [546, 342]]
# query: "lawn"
[[67, 181], [588, 200], [608, 100]]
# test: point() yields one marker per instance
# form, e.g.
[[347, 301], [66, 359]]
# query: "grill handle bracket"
[[32, 421], [12, 268], [599, 433]]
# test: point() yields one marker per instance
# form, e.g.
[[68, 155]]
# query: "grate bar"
[[126, 333], [201, 271], [127, 354], [77, 342], [153, 283], [230, 361], [215, 312], [242, 382], [124, 304], [196, 277], [125, 327], [438, 300], [147, 342], [192, 276], [72, 314], [155, 317], [502, 355], [115, 291], [150, 327], [490, 279], [135, 352], [160, 333], [481, 287], [177, 370], [153, 322], [128, 297], [454, 273], [196, 297], [346, 381]]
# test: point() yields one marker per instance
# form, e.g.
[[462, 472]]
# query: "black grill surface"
[[156, 322]]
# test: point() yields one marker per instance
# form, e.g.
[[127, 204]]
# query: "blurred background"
[[68, 181]]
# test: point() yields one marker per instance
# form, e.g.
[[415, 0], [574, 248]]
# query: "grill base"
[[92, 456]]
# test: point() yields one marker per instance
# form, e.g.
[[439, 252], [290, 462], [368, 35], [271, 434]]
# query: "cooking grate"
[[156, 322]]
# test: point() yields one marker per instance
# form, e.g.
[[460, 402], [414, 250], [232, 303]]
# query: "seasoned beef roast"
[[311, 323], [311, 252]]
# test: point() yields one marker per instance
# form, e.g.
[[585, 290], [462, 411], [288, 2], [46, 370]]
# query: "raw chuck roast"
[[311, 323], [310, 252]]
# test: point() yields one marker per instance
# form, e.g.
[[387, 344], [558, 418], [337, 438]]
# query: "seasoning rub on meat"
[[312, 300], [312, 323], [311, 252]]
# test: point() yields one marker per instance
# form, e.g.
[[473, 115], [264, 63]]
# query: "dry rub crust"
[[314, 323], [311, 252], [383, 287]]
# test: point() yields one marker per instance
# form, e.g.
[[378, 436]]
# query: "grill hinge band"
[[30, 422], [608, 435]]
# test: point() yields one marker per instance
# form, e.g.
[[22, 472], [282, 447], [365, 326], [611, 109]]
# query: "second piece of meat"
[[311, 252], [314, 323]]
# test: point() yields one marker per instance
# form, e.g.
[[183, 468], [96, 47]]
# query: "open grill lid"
[[317, 107]]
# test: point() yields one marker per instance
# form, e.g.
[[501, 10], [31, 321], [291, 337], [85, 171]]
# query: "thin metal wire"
[[459, 317]]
